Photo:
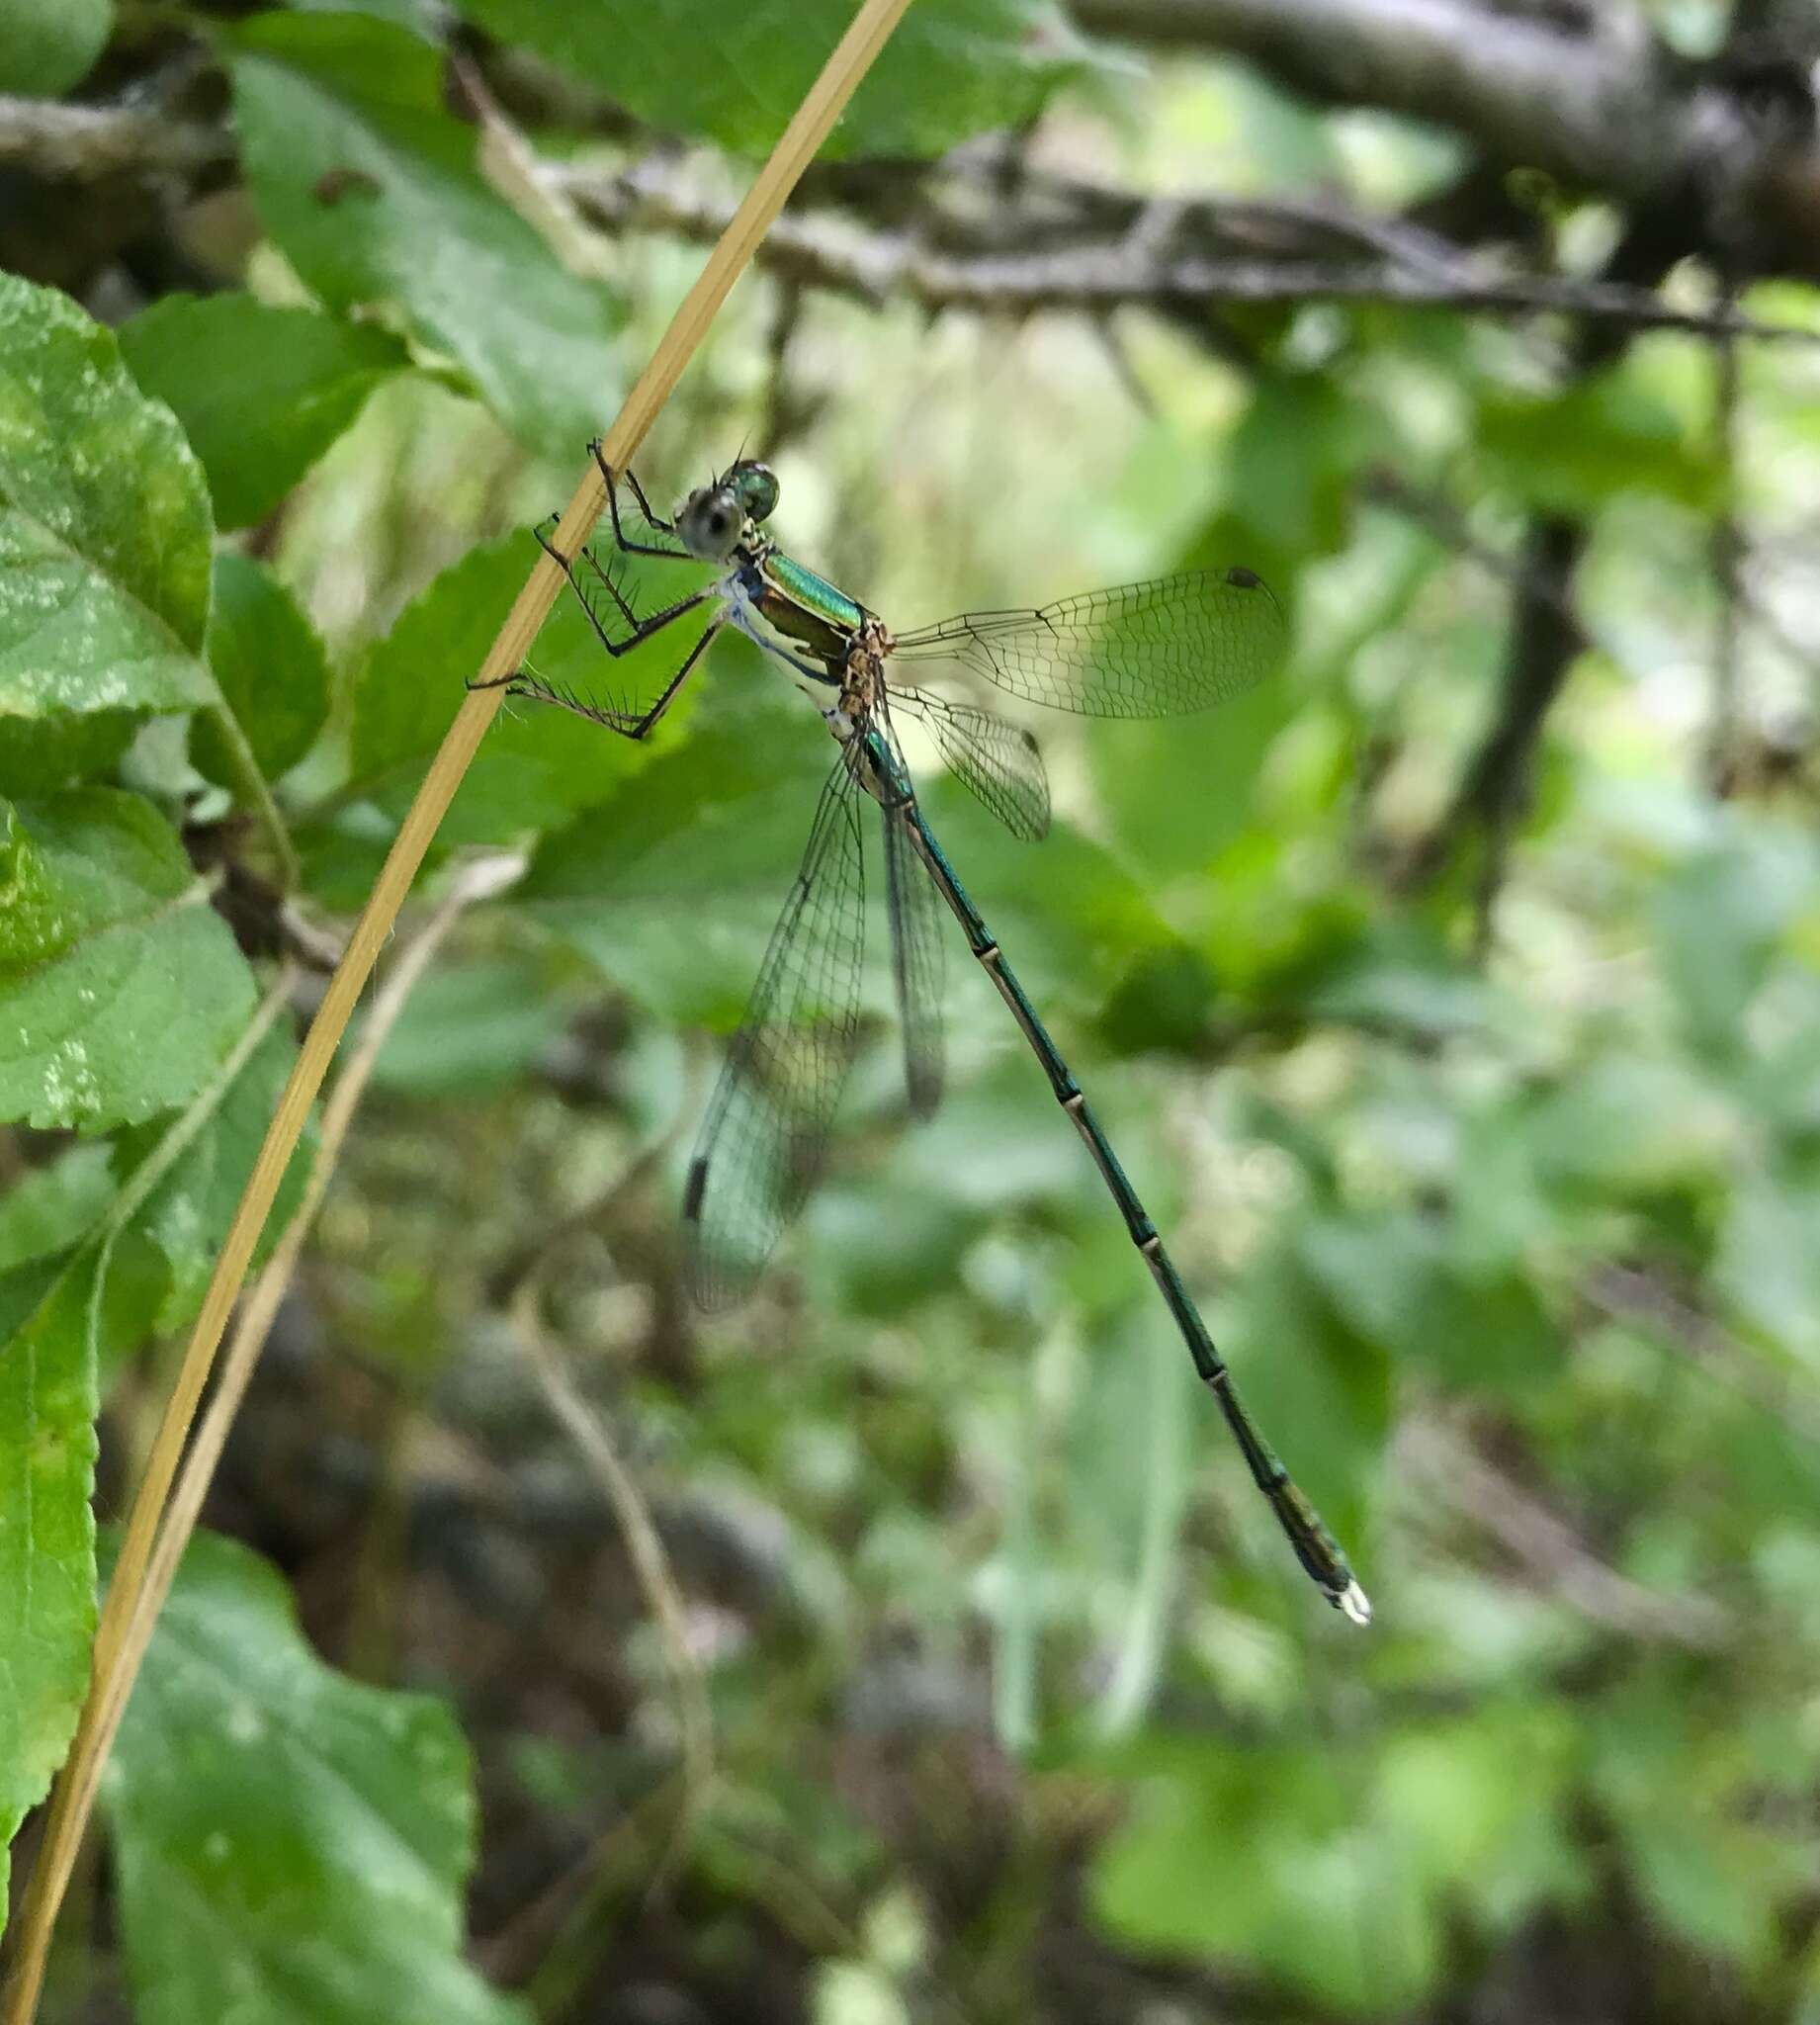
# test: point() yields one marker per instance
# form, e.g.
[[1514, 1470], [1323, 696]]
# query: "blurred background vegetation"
[[910, 1645]]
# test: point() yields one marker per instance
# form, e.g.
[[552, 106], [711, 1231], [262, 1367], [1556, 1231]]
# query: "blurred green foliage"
[[1497, 1165]]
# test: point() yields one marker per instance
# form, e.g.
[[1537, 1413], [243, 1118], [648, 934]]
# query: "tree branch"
[[1116, 252], [87, 143], [1600, 105]]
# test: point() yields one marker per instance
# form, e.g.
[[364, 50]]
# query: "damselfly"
[[1172, 645]]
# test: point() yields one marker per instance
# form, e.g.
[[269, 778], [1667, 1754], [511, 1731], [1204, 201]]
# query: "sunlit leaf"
[[261, 390], [104, 523], [119, 988], [371, 189]]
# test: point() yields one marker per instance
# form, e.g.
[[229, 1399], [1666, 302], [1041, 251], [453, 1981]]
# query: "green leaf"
[[1246, 1854], [1177, 792], [708, 834], [1718, 917], [104, 524], [289, 1844], [370, 189], [1070, 917], [271, 669], [538, 765], [1575, 451], [951, 68], [472, 1029], [39, 754], [1290, 476], [261, 390], [46, 45], [1392, 1280], [1628, 1122], [48, 1402], [1767, 1266], [50, 1208], [1318, 1387], [96, 1252], [120, 988], [187, 1214]]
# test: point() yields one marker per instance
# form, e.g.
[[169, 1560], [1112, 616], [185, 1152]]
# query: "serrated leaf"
[[371, 190], [46, 45], [951, 68], [261, 389], [289, 1843], [709, 835], [104, 524], [120, 988], [271, 669]]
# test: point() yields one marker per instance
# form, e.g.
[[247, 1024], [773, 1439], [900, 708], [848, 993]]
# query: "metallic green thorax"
[[806, 608]]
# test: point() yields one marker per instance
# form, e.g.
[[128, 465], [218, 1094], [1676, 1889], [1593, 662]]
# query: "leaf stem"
[[258, 792]]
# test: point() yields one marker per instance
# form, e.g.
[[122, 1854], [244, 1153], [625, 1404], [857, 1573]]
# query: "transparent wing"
[[998, 760], [763, 1142], [918, 958], [1161, 648]]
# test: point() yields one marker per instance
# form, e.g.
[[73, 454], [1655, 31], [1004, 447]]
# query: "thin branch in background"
[[1116, 252], [1726, 549], [1544, 639], [1584, 97], [651, 1565], [787, 411], [1552, 1554], [1624, 1293], [89, 143]]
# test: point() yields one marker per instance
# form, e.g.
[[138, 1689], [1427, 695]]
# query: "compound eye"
[[709, 523]]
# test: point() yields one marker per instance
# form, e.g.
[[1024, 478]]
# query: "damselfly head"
[[712, 520]]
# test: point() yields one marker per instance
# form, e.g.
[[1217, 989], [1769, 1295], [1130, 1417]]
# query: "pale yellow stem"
[[115, 1661]]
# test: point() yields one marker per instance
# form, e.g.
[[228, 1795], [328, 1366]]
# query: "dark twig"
[[1543, 641], [1107, 251]]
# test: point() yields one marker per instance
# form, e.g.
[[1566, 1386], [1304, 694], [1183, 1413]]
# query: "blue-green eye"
[[755, 486]]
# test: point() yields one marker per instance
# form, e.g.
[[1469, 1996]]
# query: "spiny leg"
[[642, 629], [628, 724]]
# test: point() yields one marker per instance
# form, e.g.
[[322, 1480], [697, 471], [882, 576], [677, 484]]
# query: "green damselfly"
[[1169, 647]]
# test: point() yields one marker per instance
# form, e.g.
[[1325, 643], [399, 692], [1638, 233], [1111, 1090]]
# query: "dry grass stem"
[[115, 1660]]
